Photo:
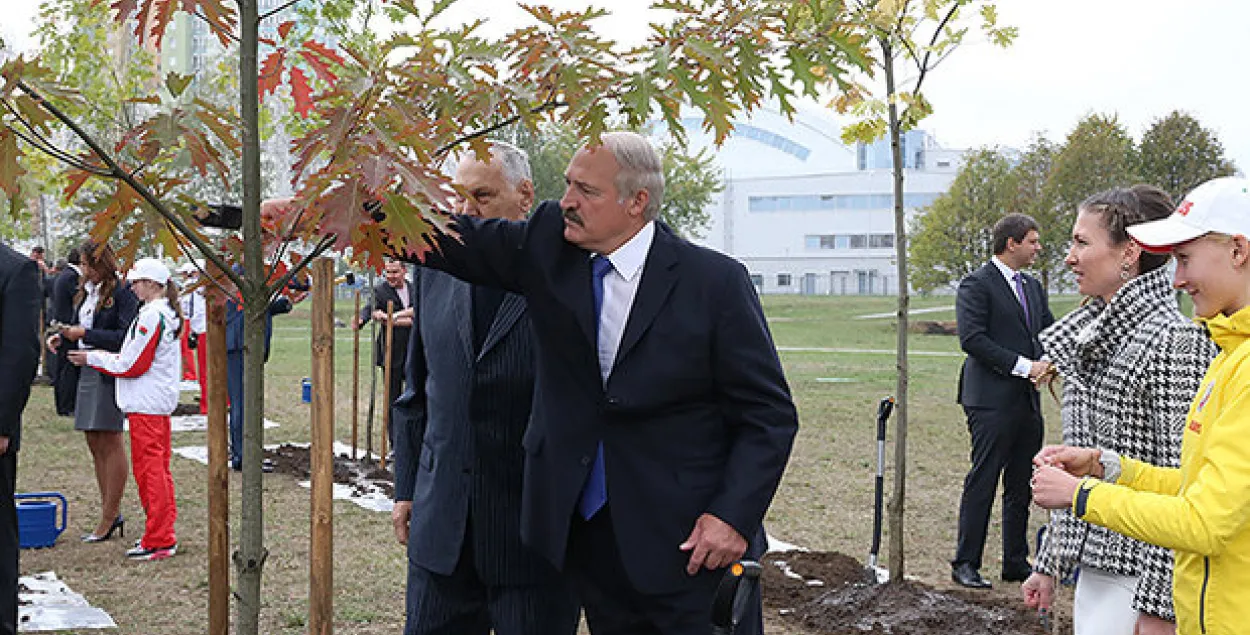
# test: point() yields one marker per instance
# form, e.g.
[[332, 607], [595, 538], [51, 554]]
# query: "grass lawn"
[[825, 501]]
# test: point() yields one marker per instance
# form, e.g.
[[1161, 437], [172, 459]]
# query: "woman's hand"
[[1038, 591], [1151, 625], [77, 358], [53, 342], [1074, 461], [1053, 488], [73, 333]]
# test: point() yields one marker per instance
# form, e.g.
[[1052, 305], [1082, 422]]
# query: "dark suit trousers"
[[65, 383], [234, 389], [614, 607], [8, 545], [1004, 441], [462, 604]]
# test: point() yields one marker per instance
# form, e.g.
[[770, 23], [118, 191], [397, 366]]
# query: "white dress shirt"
[[1023, 364], [86, 311], [620, 285]]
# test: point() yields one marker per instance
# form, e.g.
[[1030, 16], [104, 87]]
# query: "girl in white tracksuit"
[[148, 370]]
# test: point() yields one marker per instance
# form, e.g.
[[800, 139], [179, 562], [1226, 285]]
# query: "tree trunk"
[[904, 299], [249, 560]]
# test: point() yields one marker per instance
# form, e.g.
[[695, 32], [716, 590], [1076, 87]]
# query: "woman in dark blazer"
[[105, 308]]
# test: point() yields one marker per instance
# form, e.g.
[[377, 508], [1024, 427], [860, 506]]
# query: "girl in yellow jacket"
[[1202, 509]]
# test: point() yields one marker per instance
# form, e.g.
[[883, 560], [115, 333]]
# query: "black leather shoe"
[[964, 575], [1017, 573]]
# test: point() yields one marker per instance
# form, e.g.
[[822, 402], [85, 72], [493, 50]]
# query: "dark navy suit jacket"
[[695, 418], [19, 340], [458, 430], [993, 332]]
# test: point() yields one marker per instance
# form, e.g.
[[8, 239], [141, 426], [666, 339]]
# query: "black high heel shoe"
[[119, 525]]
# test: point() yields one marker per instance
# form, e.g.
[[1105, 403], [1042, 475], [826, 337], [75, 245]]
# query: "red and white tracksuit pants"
[[149, 455]]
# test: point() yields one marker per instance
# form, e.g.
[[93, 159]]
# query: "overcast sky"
[[1139, 59]]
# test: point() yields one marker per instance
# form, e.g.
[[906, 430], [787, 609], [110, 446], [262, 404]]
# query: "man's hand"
[[1151, 625], [4, 444], [713, 544], [1053, 488], [1074, 461], [1038, 591], [73, 333], [77, 358], [379, 315], [401, 516], [54, 342], [1037, 370]]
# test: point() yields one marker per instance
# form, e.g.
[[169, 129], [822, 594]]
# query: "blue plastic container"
[[306, 395], [36, 519]]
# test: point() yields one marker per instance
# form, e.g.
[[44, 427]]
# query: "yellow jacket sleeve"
[[1214, 504], [1145, 477]]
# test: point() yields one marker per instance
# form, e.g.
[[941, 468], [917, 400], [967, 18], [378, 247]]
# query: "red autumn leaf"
[[319, 67], [320, 56], [219, 16], [76, 178], [10, 169], [301, 92], [285, 28], [271, 72]]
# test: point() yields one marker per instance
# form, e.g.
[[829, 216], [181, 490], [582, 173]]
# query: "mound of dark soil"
[[294, 460], [830, 593]]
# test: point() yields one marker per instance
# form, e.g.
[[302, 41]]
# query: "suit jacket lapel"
[[461, 311], [571, 284], [1005, 287], [659, 274], [510, 310]]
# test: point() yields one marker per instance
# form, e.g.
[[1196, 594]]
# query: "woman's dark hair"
[[99, 257], [1123, 207], [171, 294]]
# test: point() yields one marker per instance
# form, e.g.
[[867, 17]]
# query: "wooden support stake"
[[218, 459], [386, 376], [355, 376], [321, 547]]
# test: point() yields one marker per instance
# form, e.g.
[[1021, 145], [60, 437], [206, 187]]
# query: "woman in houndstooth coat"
[[1131, 363]]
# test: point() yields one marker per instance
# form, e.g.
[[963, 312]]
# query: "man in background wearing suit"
[[65, 381], [999, 313], [20, 301], [662, 421], [458, 455], [395, 290]]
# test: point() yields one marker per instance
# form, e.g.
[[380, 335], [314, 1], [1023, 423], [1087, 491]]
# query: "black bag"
[[193, 340]]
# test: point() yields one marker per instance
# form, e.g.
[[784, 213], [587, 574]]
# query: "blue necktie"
[[595, 491], [1024, 301]]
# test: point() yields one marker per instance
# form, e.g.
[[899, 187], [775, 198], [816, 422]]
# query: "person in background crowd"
[[1201, 510], [1131, 363], [19, 358], [196, 336], [470, 373], [1000, 311], [147, 370], [396, 290], [106, 307], [64, 287]]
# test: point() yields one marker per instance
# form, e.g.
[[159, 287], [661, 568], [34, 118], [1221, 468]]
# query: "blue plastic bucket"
[[306, 394], [36, 519]]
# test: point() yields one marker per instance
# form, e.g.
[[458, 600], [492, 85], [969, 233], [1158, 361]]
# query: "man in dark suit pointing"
[[662, 421], [458, 455], [1000, 311]]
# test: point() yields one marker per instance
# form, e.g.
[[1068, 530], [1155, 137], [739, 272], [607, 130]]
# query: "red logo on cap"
[[1183, 210]]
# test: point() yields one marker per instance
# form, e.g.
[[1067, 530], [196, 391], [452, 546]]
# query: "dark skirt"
[[96, 408]]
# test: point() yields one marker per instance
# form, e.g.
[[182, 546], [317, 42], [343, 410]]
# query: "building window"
[[757, 280], [859, 241], [881, 241], [783, 279], [861, 156], [823, 202]]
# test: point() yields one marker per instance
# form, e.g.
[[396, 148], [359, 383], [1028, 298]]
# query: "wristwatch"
[[1110, 460]]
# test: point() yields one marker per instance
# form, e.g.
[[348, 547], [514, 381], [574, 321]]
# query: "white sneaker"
[[159, 553]]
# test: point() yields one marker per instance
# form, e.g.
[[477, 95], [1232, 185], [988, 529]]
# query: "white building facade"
[[808, 214]]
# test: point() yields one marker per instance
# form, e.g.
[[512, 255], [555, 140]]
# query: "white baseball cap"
[[149, 269], [1220, 205], [186, 267]]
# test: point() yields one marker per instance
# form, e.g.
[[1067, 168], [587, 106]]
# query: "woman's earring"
[[1124, 271]]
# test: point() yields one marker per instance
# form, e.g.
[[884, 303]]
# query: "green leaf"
[[176, 84]]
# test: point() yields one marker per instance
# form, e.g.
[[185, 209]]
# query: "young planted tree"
[[911, 38], [378, 121]]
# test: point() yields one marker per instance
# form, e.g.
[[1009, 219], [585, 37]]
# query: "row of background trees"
[[1048, 181]]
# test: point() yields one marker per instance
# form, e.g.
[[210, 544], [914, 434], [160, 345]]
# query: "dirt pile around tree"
[[830, 593], [294, 460]]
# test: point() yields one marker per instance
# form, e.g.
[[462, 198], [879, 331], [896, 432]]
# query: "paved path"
[[882, 316]]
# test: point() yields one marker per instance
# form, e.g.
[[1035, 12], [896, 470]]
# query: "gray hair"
[[513, 160], [640, 169]]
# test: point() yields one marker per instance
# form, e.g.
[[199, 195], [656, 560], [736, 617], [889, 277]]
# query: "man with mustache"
[[662, 421]]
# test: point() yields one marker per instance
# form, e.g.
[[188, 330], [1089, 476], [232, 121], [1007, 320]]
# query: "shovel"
[[883, 414], [733, 596]]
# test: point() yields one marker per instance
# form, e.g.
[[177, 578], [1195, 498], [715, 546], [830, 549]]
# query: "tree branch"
[[217, 28], [280, 9], [924, 67], [322, 246], [550, 105], [47, 147], [119, 173]]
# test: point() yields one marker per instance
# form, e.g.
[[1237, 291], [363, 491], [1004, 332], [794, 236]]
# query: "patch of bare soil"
[[294, 460], [831, 593]]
